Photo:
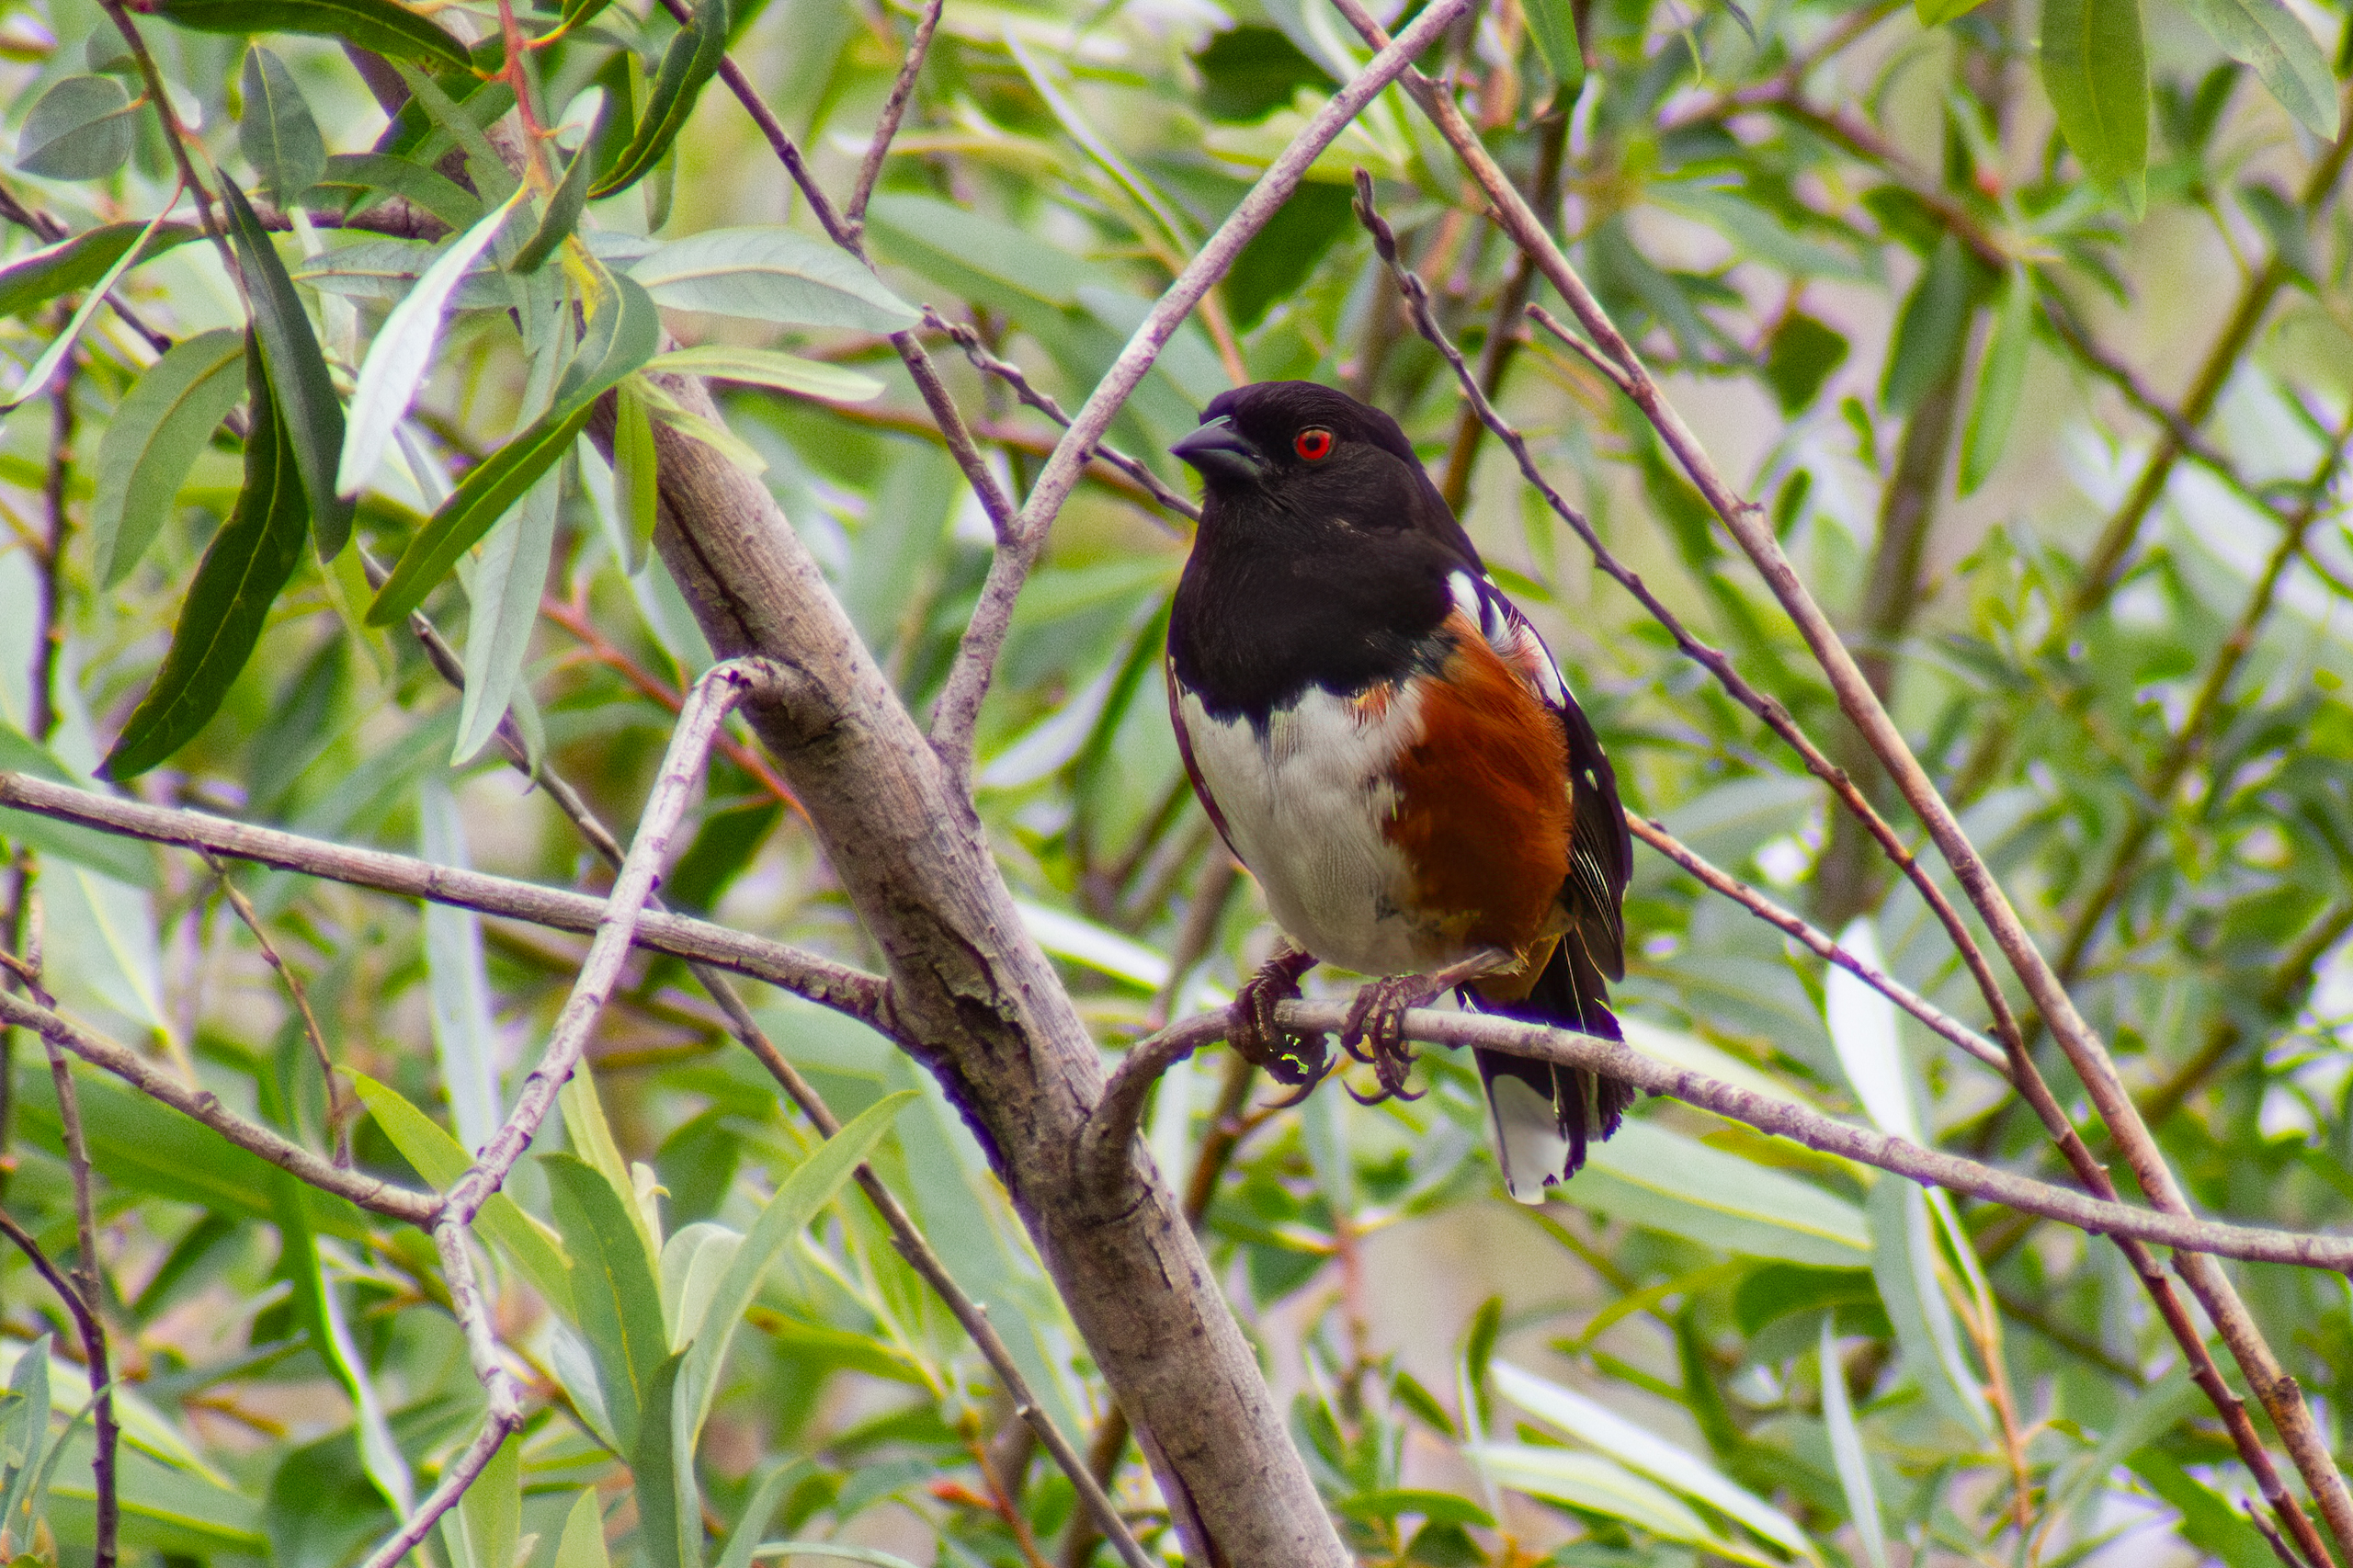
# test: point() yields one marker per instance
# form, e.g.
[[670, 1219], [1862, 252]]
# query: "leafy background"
[[2030, 328]]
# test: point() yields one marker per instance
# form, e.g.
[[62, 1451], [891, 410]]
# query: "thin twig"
[[886, 127], [91, 1329], [714, 697], [202, 1105], [836, 985], [338, 1108], [1787, 1118], [968, 681], [1013, 376], [463, 1471]]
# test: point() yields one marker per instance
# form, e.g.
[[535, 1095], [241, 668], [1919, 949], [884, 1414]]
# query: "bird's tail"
[[1544, 1115]]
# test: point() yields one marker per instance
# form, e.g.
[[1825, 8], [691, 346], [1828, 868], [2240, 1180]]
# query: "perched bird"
[[1382, 739]]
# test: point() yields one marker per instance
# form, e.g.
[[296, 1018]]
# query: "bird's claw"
[[1376, 1023], [1299, 1060]]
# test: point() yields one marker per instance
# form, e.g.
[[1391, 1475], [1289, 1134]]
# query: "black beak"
[[1220, 451]]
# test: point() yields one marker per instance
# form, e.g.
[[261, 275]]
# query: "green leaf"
[[2095, 68], [693, 58], [768, 367], [2269, 38], [277, 133], [1436, 1508], [768, 273], [662, 1462], [1932, 330], [1282, 255], [508, 583], [37, 378], [156, 437], [298, 376], [249, 562], [1667, 1182], [1936, 13], [402, 354], [441, 1160], [380, 27], [77, 262], [482, 1531], [562, 214], [427, 189], [2001, 382], [779, 1478], [810, 1188], [787, 1551], [24, 1432], [623, 335], [636, 477], [582, 1545], [1554, 26], [1847, 1451], [1799, 359], [1594, 1484], [1652, 1455], [1247, 72], [2208, 1520], [619, 1303], [1904, 1266], [80, 129]]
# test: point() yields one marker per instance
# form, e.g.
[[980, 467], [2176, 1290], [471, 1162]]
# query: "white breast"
[[1305, 807]]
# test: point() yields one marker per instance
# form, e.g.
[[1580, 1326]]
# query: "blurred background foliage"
[[2054, 420]]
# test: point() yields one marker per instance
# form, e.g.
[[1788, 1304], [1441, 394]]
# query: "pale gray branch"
[[838, 987]]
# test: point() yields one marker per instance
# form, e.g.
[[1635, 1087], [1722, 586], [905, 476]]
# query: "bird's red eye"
[[1314, 444]]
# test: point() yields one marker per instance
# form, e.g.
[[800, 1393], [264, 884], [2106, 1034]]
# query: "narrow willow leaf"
[[1936, 13], [508, 582], [1862, 1021], [298, 376], [38, 277], [80, 129], [693, 58], [1667, 1182], [381, 27], [813, 1185], [621, 337], [246, 564], [2095, 68], [2001, 382], [1848, 1452], [36, 380], [427, 189], [465, 1036], [489, 1518], [576, 12], [155, 439], [582, 1544], [620, 1303], [776, 1480], [873, 1557], [402, 354], [1594, 1484], [461, 123], [767, 273], [2269, 38], [1653, 1456], [277, 133], [23, 1430], [441, 1160], [562, 214], [636, 477], [1932, 330], [768, 367], [662, 1463], [1554, 26]]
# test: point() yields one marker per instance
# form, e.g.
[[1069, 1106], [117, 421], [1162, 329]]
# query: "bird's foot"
[[1375, 1030], [1300, 1059]]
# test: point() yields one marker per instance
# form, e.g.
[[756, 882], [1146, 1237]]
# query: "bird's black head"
[[1288, 434]]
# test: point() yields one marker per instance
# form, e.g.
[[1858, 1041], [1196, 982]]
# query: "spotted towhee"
[[1385, 742]]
